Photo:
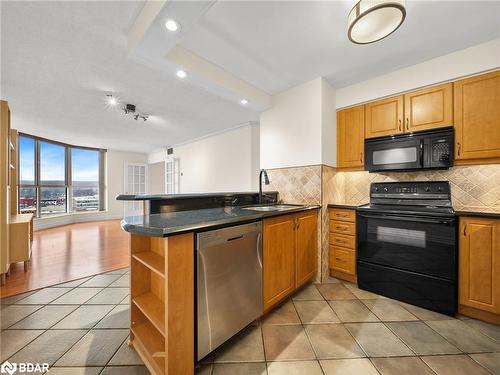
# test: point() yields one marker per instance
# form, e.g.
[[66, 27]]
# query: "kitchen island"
[[163, 272]]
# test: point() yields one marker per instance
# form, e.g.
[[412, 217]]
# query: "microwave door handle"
[[421, 153]]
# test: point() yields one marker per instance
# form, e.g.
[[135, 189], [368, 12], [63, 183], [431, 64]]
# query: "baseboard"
[[60, 220], [343, 276], [479, 314]]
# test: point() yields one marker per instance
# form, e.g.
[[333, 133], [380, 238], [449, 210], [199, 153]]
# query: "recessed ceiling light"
[[172, 26], [370, 21], [111, 99], [244, 101], [181, 74]]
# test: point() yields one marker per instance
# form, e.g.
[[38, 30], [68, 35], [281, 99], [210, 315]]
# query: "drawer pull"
[[340, 260], [341, 215], [340, 227]]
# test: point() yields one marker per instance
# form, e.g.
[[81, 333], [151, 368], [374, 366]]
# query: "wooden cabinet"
[[290, 244], [479, 265], [429, 108], [477, 118], [384, 117], [342, 243], [21, 237], [351, 137]]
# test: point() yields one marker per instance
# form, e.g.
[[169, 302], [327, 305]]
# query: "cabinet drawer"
[[342, 240], [343, 227], [343, 214], [342, 260]]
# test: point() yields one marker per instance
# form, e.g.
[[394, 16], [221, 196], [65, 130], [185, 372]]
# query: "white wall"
[[482, 57], [299, 129], [157, 178], [115, 162], [220, 163]]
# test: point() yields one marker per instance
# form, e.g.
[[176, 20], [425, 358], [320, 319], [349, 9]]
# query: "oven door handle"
[[405, 218]]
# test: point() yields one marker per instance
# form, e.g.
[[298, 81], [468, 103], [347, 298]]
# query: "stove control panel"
[[410, 189]]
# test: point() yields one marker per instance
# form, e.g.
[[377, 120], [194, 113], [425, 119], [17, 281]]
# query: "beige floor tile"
[[76, 296], [125, 370], [109, 296], [360, 293], [119, 317], [491, 361], [75, 370], [464, 337], [401, 365], [122, 282], [73, 284], [388, 311], [125, 356], [49, 346], [424, 314], [120, 271], [239, 369], [284, 343], [14, 340], [283, 314], [315, 312], [335, 291], [422, 339], [125, 301], [14, 313], [43, 296], [247, 346], [333, 341], [46, 317], [204, 370], [95, 348], [353, 311], [377, 340], [308, 293], [490, 330], [100, 281], [294, 368], [454, 365], [85, 316], [356, 366], [13, 299]]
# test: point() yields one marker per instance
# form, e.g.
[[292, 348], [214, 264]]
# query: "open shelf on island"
[[153, 261], [153, 309], [148, 342]]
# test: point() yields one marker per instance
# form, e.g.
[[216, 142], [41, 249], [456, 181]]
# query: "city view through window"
[[57, 178]]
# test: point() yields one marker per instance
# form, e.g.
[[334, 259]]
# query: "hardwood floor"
[[70, 252]]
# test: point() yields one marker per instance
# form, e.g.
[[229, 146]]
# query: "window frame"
[[68, 183]]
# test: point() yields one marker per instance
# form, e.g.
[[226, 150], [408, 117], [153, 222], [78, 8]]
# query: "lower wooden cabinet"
[[479, 266], [290, 244], [342, 243]]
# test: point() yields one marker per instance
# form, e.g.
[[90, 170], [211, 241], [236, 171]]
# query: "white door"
[[171, 175], [136, 182]]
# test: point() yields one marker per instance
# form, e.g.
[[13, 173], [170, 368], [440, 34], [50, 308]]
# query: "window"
[[56, 178]]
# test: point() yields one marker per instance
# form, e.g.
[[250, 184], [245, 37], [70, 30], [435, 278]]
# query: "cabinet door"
[[479, 278], [429, 108], [351, 137], [477, 117], [306, 236], [278, 259], [384, 117]]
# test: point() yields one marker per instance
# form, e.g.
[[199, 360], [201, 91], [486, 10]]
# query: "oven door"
[[419, 244], [405, 153]]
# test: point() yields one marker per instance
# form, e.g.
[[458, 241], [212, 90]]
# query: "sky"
[[85, 163]]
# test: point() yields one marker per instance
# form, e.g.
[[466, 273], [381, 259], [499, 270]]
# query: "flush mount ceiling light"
[[372, 20], [244, 101], [172, 25], [181, 74]]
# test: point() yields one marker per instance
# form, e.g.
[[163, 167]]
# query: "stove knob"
[[386, 190], [439, 188], [427, 189], [376, 189]]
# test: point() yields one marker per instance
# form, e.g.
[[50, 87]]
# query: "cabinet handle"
[[361, 157], [399, 124], [465, 230], [340, 228], [340, 260], [407, 124], [341, 215], [459, 148]]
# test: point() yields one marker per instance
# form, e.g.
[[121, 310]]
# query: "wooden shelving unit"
[[162, 302]]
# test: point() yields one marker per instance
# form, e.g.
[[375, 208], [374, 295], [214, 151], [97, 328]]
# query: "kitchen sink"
[[276, 207]]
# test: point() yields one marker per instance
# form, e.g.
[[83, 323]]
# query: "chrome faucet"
[[266, 181]]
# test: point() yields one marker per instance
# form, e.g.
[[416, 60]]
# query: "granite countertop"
[[472, 211], [342, 205], [146, 197], [172, 223]]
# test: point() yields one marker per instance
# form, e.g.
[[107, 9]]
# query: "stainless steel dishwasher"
[[229, 283]]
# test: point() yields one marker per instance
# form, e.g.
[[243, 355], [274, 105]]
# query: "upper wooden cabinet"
[[429, 108], [384, 117], [477, 117], [306, 236], [479, 259], [350, 137]]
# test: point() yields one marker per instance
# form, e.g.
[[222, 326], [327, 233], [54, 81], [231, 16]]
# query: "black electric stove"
[[407, 244]]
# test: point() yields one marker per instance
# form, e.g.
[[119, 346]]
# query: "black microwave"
[[431, 149]]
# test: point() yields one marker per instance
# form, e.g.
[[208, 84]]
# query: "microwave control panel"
[[441, 151]]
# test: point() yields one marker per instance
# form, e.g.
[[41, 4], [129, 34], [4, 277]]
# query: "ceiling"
[[58, 59]]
